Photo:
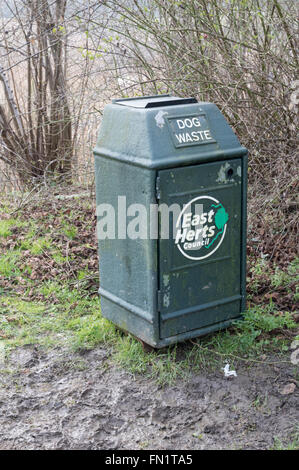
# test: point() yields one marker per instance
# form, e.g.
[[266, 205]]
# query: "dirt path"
[[58, 400]]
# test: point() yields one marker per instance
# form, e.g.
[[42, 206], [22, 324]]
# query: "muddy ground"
[[58, 400]]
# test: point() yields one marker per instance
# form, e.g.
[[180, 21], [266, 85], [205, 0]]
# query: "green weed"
[[281, 278], [5, 227], [130, 355], [91, 330], [45, 323], [166, 369], [276, 277], [292, 444], [59, 258], [248, 338], [39, 245], [70, 231], [9, 264]]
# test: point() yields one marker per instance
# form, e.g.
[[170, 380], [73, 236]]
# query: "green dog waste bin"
[[163, 160]]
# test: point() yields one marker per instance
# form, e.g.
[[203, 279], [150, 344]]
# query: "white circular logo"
[[201, 227]]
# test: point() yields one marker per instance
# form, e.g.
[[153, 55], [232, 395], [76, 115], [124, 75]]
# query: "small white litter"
[[229, 373]]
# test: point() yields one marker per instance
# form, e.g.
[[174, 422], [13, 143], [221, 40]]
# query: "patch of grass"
[[91, 330], [265, 319], [162, 366], [20, 320], [70, 231], [5, 227], [263, 272], [35, 239], [58, 257], [29, 239], [9, 264], [166, 368], [26, 322], [130, 355], [39, 245], [258, 270], [294, 267], [70, 300], [282, 278], [82, 274], [292, 444], [250, 337]]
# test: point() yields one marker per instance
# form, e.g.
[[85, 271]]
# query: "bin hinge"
[[159, 301], [158, 189]]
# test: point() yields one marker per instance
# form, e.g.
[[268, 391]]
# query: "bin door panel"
[[199, 263]]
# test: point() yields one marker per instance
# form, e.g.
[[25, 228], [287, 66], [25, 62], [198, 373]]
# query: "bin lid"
[[165, 131], [154, 101]]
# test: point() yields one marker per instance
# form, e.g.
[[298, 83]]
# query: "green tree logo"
[[221, 217]]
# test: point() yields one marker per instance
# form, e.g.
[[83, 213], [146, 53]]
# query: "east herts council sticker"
[[201, 227]]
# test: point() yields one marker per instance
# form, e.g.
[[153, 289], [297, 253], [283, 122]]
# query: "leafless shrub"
[[46, 105]]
